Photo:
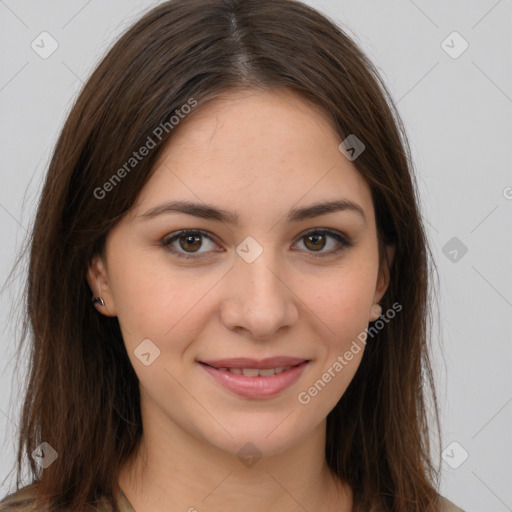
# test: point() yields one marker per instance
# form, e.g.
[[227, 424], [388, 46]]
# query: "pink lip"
[[256, 387], [245, 362]]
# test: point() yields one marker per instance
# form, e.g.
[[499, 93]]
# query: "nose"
[[258, 298]]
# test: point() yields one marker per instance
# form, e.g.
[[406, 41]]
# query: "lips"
[[253, 378]]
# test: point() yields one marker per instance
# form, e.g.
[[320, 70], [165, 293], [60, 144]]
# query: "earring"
[[377, 310], [98, 300]]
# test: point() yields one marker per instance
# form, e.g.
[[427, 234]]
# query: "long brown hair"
[[82, 396]]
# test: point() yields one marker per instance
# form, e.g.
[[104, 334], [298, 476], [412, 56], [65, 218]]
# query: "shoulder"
[[25, 500], [448, 506], [22, 500]]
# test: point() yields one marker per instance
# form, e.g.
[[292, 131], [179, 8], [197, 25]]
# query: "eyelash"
[[341, 239]]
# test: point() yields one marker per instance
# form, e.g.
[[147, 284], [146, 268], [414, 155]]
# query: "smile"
[[255, 382], [256, 372]]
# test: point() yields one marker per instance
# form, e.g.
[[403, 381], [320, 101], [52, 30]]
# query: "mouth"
[[245, 363], [255, 372], [252, 378]]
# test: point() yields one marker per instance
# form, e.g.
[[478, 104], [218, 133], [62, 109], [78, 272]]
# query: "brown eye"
[[186, 244], [318, 239], [315, 242], [190, 243]]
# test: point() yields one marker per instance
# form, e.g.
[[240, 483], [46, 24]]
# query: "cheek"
[[155, 301], [140, 292], [344, 300], [343, 307]]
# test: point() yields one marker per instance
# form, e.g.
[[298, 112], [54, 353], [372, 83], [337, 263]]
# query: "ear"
[[97, 277], [384, 275]]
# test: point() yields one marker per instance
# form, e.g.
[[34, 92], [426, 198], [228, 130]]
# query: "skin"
[[241, 153]]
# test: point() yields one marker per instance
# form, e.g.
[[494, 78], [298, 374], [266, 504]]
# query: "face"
[[259, 276]]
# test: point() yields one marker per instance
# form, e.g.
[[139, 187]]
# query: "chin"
[[257, 438]]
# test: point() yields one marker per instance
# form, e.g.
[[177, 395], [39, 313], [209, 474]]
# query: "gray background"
[[458, 113]]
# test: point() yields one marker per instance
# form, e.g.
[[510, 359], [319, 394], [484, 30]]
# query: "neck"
[[172, 468]]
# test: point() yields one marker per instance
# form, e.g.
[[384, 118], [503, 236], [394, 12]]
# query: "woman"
[[233, 190]]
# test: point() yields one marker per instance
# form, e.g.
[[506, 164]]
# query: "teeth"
[[250, 372], [256, 372]]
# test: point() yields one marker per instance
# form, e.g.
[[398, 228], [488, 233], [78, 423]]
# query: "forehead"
[[237, 122], [257, 150]]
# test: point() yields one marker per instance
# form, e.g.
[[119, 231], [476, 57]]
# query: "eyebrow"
[[211, 212]]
